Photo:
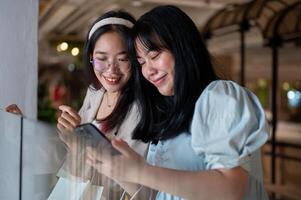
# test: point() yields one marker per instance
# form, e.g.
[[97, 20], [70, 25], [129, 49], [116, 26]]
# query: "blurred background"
[[256, 43], [63, 25]]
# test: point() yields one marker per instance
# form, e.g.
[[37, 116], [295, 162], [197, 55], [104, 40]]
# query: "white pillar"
[[19, 54]]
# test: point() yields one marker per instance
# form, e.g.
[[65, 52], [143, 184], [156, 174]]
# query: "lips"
[[157, 82], [112, 80]]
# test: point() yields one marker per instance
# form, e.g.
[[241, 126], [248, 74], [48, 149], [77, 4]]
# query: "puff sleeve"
[[228, 125]]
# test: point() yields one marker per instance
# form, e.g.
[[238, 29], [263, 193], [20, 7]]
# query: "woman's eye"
[[123, 59], [155, 55], [100, 59], [141, 63]]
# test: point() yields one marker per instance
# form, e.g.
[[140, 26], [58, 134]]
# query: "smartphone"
[[95, 138]]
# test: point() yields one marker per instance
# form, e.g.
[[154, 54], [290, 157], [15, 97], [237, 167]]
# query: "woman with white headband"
[[109, 102]]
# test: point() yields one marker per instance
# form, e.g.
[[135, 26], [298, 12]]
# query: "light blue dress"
[[227, 130]]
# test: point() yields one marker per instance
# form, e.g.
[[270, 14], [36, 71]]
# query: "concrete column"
[[18, 54]]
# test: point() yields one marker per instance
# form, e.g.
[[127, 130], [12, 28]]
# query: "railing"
[[31, 154]]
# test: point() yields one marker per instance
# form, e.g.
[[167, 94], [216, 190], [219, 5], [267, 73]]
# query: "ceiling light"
[[75, 51]]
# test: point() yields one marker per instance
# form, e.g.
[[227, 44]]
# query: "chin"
[[166, 93], [113, 89]]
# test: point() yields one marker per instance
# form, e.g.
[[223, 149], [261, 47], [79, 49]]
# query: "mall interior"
[[256, 43]]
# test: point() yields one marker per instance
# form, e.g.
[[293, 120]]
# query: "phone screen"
[[95, 138]]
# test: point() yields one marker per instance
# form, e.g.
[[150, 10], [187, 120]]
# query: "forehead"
[[110, 41], [147, 42]]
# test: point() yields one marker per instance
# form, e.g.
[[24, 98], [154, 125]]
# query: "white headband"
[[110, 20]]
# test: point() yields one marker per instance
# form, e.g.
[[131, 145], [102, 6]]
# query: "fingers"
[[103, 163], [60, 127], [99, 156], [13, 108], [73, 121], [98, 165], [92, 160], [123, 147], [73, 113], [64, 128], [123, 167], [64, 125], [94, 154], [69, 119]]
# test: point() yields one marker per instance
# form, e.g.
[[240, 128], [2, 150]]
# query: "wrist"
[[144, 172]]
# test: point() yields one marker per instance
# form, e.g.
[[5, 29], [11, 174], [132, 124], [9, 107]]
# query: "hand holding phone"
[[95, 138]]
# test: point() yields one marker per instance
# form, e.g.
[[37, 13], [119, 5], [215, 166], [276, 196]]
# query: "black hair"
[[126, 97], [169, 28]]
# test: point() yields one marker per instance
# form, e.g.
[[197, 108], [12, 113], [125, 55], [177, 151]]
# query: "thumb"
[[123, 147]]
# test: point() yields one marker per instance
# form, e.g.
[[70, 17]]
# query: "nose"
[[148, 70], [112, 65]]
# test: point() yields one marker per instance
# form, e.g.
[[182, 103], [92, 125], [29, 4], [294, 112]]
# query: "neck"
[[111, 98], [112, 95]]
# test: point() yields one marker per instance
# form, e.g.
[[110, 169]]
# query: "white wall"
[[18, 54], [10, 129]]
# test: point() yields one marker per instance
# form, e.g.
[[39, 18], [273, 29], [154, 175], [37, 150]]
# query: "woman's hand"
[[13, 108], [68, 120], [121, 168]]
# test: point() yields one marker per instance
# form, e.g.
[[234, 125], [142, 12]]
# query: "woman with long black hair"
[[205, 133]]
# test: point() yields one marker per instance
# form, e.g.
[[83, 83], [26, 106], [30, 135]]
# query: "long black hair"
[[126, 97], [169, 28]]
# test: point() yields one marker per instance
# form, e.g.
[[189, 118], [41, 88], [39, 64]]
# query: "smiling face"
[[111, 63], [157, 67]]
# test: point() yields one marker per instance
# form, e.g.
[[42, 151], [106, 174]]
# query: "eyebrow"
[[105, 53], [147, 52]]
